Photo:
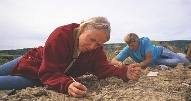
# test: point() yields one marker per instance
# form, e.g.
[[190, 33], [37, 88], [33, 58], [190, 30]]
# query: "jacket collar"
[[76, 35]]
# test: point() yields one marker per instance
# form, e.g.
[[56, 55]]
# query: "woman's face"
[[91, 39]]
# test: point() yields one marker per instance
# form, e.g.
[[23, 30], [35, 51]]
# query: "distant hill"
[[175, 45], [8, 55], [14, 52], [179, 44]]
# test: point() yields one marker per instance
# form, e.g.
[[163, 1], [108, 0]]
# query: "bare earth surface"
[[169, 85]]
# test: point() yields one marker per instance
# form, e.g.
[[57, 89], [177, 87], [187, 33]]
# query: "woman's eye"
[[92, 39], [97, 44]]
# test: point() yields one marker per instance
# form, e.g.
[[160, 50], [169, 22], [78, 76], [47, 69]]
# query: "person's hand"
[[120, 64], [76, 89], [133, 72]]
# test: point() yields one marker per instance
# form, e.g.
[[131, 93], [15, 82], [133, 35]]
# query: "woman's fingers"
[[76, 89], [135, 73]]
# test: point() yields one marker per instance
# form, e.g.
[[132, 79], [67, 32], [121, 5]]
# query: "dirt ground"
[[169, 85]]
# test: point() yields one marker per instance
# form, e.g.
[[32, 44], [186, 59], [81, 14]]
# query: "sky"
[[28, 23]]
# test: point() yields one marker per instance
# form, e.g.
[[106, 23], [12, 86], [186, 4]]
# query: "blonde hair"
[[99, 22], [131, 37]]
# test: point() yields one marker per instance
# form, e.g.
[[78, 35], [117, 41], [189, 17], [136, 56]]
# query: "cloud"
[[28, 23]]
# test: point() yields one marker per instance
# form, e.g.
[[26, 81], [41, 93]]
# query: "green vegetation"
[[15, 52], [181, 44], [156, 43], [8, 55]]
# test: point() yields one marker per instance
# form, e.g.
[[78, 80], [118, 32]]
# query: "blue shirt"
[[139, 55]]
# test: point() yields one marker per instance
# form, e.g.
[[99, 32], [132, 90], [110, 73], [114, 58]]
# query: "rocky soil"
[[169, 85]]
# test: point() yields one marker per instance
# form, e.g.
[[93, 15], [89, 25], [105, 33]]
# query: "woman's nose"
[[93, 46]]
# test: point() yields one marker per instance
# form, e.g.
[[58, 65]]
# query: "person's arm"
[[147, 61], [102, 68], [116, 62]]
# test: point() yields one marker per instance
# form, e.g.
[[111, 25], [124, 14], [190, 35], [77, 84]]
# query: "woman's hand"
[[76, 89], [133, 72]]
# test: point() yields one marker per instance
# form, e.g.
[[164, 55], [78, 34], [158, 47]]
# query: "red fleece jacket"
[[49, 62]]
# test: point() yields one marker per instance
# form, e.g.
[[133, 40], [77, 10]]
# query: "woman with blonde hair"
[[69, 52]]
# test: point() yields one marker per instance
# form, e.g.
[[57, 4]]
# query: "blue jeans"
[[169, 58], [8, 82]]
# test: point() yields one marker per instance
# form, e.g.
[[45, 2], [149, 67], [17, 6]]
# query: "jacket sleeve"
[[103, 69], [55, 60]]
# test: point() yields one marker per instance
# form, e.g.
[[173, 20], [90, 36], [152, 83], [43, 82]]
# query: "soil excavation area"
[[168, 85]]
